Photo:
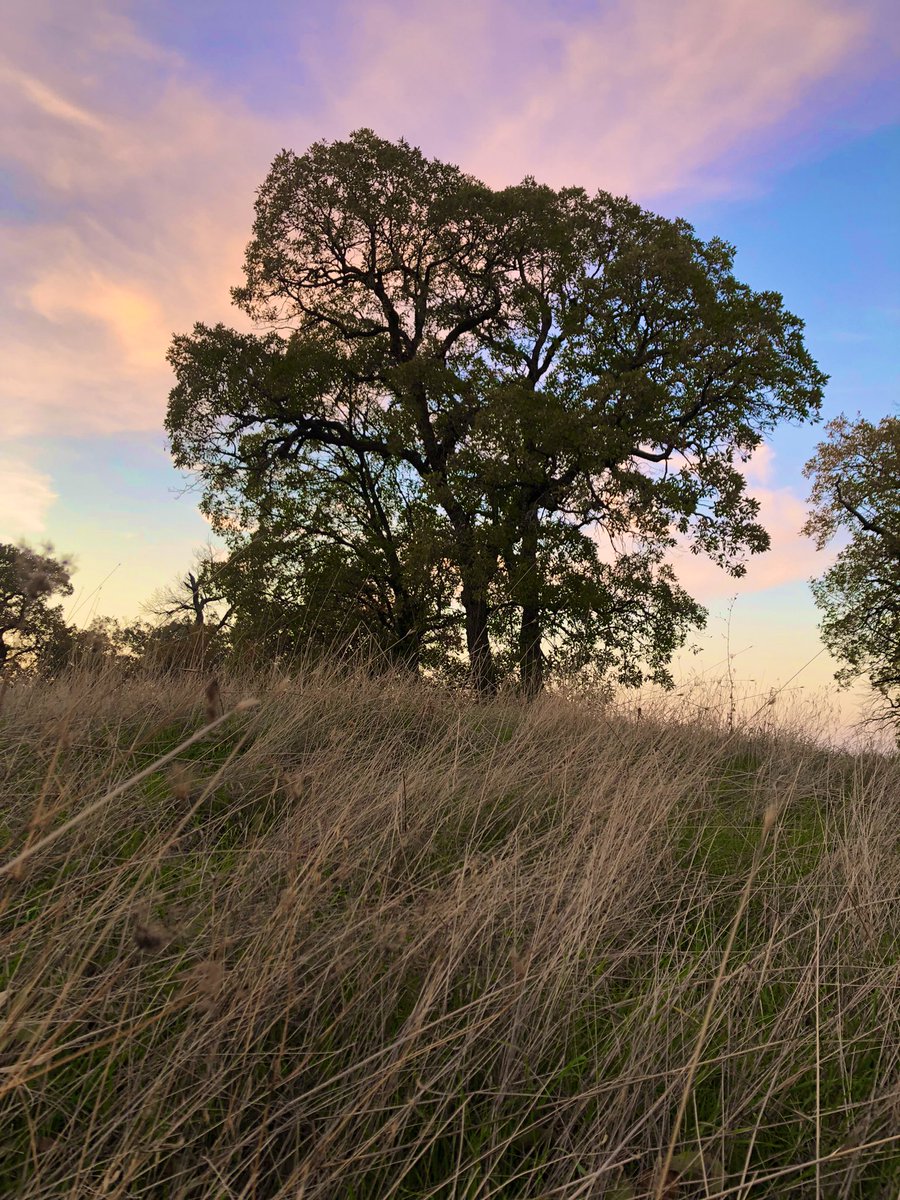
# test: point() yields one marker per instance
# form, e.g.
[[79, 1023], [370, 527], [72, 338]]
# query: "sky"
[[136, 134]]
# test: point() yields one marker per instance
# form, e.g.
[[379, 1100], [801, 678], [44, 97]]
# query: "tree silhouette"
[[567, 381]]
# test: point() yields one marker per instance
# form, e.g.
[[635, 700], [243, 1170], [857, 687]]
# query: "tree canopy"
[[856, 493], [498, 409], [32, 629]]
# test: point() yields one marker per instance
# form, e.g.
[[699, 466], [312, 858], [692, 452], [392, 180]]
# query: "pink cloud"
[[141, 173], [641, 98], [791, 557], [145, 194]]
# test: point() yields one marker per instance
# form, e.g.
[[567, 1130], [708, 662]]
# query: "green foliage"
[[33, 632], [856, 492], [515, 400], [344, 554]]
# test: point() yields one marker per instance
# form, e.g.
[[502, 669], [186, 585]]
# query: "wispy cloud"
[[642, 97], [49, 102], [138, 185], [26, 496], [135, 172]]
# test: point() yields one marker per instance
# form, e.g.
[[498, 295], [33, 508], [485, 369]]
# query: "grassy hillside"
[[369, 940]]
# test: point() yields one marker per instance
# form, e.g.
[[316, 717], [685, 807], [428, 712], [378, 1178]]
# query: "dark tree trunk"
[[481, 658], [531, 658], [408, 647], [197, 603], [476, 568]]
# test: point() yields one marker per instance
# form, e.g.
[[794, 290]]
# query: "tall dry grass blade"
[[663, 1180], [73, 822]]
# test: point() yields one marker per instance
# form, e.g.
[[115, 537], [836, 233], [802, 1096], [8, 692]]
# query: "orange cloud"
[[143, 197], [134, 317], [135, 176], [49, 101]]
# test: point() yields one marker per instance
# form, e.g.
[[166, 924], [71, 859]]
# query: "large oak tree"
[[567, 381]]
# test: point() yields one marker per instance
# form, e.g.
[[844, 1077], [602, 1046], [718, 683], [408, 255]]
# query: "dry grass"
[[370, 940]]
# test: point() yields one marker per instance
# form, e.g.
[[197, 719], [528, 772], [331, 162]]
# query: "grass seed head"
[[149, 934], [206, 981], [213, 698], [182, 782]]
